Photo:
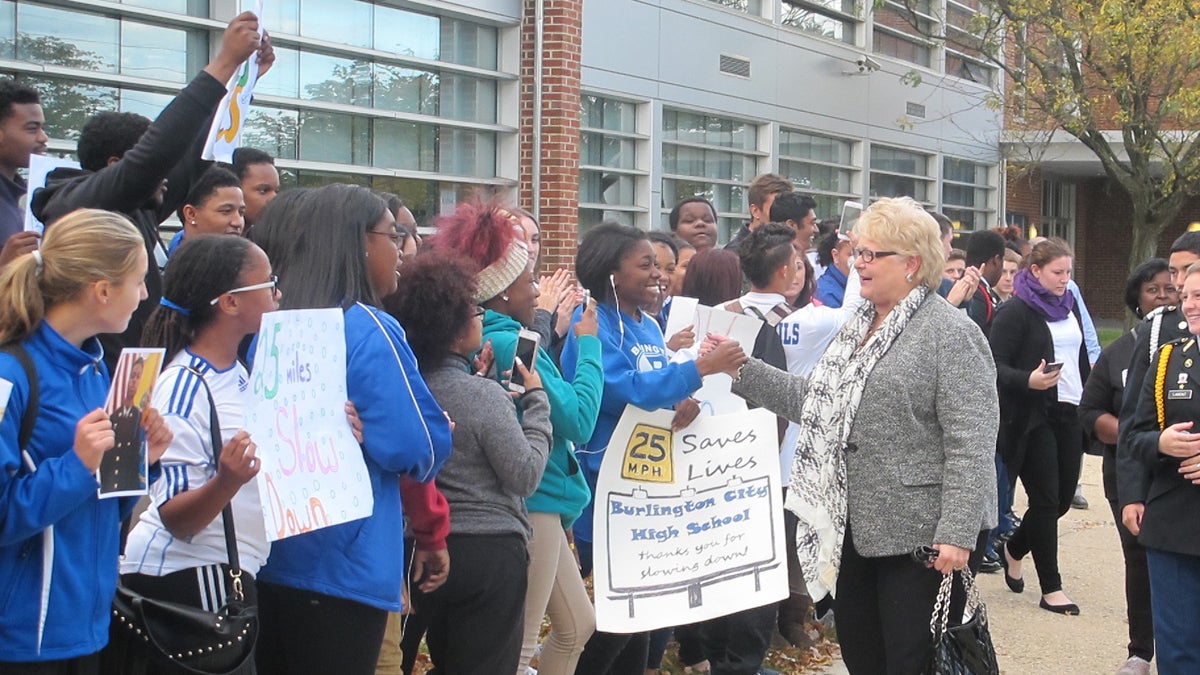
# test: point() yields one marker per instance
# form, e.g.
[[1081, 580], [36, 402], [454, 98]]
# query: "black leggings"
[[304, 632], [1049, 470]]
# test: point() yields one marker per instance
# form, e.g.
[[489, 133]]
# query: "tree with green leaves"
[[1117, 75]]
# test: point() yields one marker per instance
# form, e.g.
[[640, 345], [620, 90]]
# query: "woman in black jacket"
[[1147, 288], [1041, 365]]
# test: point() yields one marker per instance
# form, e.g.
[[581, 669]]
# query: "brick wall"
[[1102, 240], [559, 208], [1023, 195]]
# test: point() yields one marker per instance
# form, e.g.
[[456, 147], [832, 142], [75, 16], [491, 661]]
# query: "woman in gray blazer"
[[898, 432]]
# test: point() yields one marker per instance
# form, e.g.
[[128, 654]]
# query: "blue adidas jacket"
[[58, 542], [405, 432], [636, 371]]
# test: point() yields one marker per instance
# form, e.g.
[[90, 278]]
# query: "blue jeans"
[[1004, 500], [1174, 596]]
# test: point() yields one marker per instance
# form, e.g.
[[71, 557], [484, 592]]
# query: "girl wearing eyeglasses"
[[216, 293], [897, 435], [324, 596]]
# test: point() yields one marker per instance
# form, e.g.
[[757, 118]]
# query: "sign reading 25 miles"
[[648, 457]]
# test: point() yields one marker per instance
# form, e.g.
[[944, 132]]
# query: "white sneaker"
[[1135, 666]]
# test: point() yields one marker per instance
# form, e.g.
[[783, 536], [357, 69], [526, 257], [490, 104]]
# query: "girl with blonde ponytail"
[[58, 540]]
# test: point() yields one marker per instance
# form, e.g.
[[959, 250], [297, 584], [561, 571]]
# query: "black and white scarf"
[[817, 492]]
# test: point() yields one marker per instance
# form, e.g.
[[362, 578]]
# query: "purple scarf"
[[1052, 307]]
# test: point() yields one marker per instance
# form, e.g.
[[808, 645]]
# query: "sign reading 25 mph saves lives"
[[692, 521], [313, 473]]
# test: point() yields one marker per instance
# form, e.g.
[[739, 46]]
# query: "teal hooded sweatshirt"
[[574, 407]]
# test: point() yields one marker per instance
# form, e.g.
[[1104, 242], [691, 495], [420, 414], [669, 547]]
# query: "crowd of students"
[[484, 495]]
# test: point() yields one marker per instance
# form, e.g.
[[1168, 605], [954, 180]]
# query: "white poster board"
[[688, 525], [715, 394], [313, 473], [225, 135], [40, 166]]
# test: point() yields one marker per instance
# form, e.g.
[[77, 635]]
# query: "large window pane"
[[68, 104], [406, 33], [610, 151], [154, 52], [284, 78], [715, 164], [899, 161], [272, 131], [69, 39], [598, 187], [467, 98], [8, 29], [808, 177], [820, 17], [145, 103], [709, 130], [334, 137], [883, 185], [467, 153], [189, 7], [405, 145], [406, 90], [750, 6], [342, 21], [335, 80], [608, 114], [468, 44], [963, 171], [813, 146], [282, 16]]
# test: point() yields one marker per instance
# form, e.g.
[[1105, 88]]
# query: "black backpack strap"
[[29, 417]]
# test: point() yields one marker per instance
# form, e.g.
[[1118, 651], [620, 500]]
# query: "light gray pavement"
[[1032, 640]]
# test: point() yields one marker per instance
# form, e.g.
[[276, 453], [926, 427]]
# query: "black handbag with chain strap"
[[966, 649]]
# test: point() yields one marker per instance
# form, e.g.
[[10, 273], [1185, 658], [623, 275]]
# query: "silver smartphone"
[[527, 344], [850, 213]]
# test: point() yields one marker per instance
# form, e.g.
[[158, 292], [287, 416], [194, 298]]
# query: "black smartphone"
[[527, 344], [1053, 367], [924, 554]]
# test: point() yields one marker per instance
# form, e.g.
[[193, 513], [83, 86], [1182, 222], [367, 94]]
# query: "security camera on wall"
[[867, 65]]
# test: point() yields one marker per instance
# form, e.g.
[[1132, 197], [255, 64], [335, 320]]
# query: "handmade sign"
[[225, 135], [688, 525], [40, 167], [313, 473], [123, 469]]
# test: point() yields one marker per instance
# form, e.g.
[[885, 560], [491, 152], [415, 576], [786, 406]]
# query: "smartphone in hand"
[[527, 344], [1053, 367]]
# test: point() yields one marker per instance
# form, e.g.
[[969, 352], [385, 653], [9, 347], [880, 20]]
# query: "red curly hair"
[[481, 233]]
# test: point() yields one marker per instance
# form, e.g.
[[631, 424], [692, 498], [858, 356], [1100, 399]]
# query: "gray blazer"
[[920, 461]]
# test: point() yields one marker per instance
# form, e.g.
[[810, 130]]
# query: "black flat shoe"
[[1070, 609], [1015, 585], [990, 563]]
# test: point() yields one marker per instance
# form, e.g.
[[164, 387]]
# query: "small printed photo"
[[123, 469]]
